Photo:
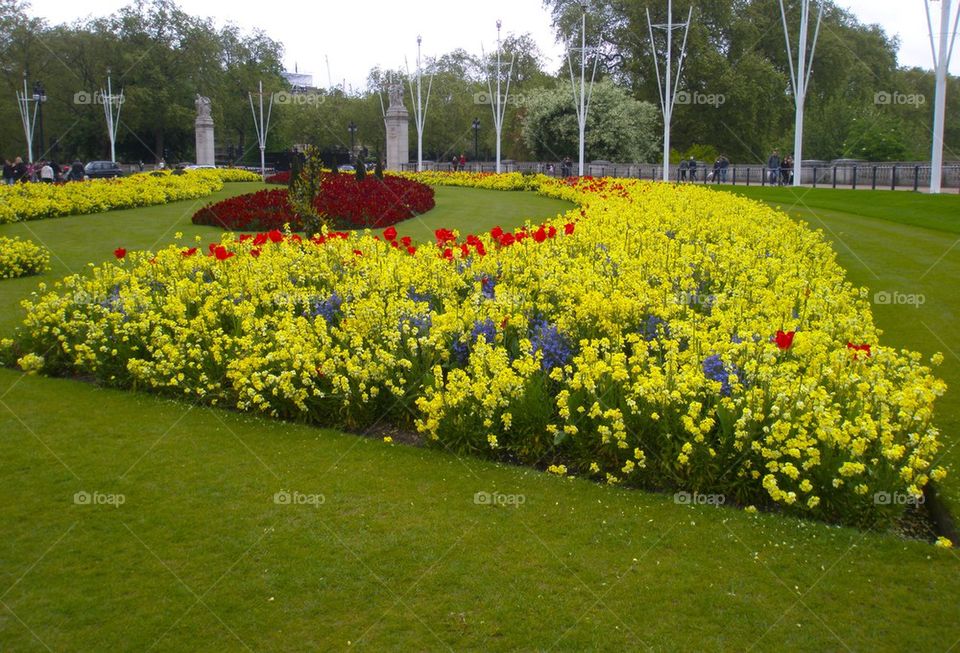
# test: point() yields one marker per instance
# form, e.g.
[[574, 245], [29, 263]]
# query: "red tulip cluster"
[[372, 202]]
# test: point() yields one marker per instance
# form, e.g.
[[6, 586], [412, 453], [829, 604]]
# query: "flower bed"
[[658, 336], [37, 201], [20, 258], [370, 203]]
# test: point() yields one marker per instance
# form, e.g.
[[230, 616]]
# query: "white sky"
[[359, 35]]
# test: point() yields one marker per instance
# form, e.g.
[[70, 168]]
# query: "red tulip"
[[119, 252], [540, 235], [390, 233], [784, 340], [856, 349], [187, 253], [275, 236], [255, 253], [222, 254], [568, 228]]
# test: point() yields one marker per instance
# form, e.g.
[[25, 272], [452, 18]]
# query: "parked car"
[[102, 170], [346, 167]]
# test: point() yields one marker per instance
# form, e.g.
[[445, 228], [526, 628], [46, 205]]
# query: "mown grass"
[[399, 555], [878, 240]]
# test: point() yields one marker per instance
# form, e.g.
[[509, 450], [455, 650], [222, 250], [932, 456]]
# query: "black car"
[[102, 170]]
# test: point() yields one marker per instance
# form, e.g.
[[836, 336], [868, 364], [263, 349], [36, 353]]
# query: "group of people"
[[780, 170], [458, 163], [47, 172]]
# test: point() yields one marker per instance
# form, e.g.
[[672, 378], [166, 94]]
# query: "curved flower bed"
[[658, 336], [370, 203], [37, 201], [19, 258]]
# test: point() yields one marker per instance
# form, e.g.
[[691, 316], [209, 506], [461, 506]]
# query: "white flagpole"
[[29, 123], [262, 128], [800, 76], [669, 88], [941, 64], [581, 102]]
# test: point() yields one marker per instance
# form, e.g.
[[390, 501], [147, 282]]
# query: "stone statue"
[[203, 108], [203, 126], [396, 94]]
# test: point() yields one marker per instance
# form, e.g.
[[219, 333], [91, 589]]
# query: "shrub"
[[20, 258]]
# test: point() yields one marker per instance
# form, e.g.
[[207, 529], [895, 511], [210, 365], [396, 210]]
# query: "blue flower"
[[485, 329], [328, 309], [419, 324], [716, 370], [488, 285], [413, 295], [548, 340], [651, 331]]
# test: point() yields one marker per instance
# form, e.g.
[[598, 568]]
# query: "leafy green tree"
[[619, 128]]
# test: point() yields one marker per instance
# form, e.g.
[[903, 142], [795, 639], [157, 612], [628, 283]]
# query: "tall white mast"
[[941, 63], [668, 89], [800, 75]]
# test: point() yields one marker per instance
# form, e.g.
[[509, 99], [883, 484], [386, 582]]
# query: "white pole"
[[113, 120], [941, 63], [23, 103], [800, 76], [583, 76], [668, 90], [262, 127], [498, 112], [498, 105], [419, 129]]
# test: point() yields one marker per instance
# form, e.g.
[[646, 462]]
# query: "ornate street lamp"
[[40, 96], [352, 128], [476, 139]]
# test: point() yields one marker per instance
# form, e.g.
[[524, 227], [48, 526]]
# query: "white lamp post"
[[497, 103], [113, 119], [29, 121]]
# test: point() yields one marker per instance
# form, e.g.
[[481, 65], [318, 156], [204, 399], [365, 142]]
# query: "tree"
[[619, 128]]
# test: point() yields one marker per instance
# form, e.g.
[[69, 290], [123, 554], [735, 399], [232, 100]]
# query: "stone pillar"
[[397, 121], [204, 131]]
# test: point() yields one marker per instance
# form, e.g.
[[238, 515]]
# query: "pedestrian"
[[786, 170], [454, 162], [724, 165], [773, 167], [20, 172], [566, 168], [46, 172], [715, 175], [683, 169], [141, 165], [693, 169], [76, 171], [463, 162], [7, 172]]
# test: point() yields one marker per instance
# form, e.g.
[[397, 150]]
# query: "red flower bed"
[[372, 203], [260, 211], [282, 177]]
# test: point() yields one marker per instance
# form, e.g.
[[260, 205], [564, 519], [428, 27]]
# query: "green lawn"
[[876, 237], [398, 555]]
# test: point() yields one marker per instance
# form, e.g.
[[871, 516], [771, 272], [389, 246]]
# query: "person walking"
[[682, 170], [463, 162], [724, 166], [693, 169], [7, 172], [773, 167], [453, 163], [715, 174]]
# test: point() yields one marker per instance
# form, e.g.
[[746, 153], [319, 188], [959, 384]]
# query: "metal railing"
[[875, 176]]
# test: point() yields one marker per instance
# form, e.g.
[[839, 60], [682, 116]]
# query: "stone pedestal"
[[203, 127], [397, 121]]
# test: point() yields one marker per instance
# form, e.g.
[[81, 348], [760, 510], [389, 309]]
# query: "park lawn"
[[878, 242], [399, 555]]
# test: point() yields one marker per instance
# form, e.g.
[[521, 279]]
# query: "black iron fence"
[[876, 176]]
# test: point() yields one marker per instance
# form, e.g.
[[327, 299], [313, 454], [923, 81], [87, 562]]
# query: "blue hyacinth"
[[488, 286], [716, 370], [485, 329], [328, 309], [548, 340], [650, 330]]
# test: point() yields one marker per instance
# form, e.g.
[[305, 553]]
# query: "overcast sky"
[[356, 36]]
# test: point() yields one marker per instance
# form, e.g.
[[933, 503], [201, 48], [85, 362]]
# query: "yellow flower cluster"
[[36, 201], [634, 340], [487, 180], [19, 258]]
